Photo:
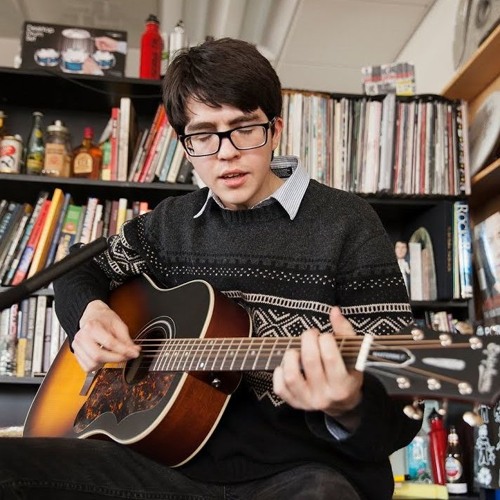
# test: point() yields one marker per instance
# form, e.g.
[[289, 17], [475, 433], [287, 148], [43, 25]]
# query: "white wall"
[[433, 60], [431, 48], [10, 47]]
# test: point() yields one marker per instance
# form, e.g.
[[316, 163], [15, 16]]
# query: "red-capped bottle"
[[151, 49], [437, 447]]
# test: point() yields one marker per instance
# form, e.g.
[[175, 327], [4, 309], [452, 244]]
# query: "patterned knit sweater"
[[287, 274]]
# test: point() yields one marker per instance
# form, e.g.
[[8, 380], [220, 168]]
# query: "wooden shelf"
[[478, 72], [485, 185]]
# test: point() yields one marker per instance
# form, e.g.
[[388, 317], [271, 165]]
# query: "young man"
[[301, 258]]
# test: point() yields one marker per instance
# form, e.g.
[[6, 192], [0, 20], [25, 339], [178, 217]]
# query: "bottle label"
[[454, 469], [55, 160], [82, 164], [34, 162]]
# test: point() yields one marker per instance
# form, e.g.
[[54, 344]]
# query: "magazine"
[[487, 262]]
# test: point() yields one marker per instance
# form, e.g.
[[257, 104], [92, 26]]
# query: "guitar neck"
[[232, 354]]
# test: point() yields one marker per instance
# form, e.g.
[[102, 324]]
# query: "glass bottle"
[[87, 158], [35, 149], [57, 162], [3, 130], [417, 458], [454, 465]]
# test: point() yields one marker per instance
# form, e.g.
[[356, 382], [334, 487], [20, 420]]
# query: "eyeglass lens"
[[249, 137]]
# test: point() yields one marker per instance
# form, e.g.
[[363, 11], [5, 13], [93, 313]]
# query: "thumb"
[[340, 324]]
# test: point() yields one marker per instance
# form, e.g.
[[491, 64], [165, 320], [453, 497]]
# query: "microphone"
[[49, 274]]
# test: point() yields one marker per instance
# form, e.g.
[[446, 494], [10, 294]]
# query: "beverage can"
[[11, 148]]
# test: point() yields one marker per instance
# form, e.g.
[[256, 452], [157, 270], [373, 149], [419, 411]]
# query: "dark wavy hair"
[[221, 72]]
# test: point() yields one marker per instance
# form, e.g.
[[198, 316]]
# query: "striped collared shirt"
[[289, 195]]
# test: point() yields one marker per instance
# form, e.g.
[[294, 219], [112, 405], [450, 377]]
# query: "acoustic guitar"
[[195, 344]]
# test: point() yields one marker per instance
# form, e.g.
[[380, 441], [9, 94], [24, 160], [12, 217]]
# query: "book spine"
[[47, 233], [22, 338], [464, 249], [29, 250], [39, 334]]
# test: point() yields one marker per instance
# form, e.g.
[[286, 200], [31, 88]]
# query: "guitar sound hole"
[[138, 368]]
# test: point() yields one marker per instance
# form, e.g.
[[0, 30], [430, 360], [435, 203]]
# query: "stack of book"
[[381, 144], [32, 238], [148, 155]]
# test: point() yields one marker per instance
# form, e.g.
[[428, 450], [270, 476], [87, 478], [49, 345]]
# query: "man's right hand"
[[103, 338]]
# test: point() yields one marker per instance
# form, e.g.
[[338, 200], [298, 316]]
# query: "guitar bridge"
[[364, 350]]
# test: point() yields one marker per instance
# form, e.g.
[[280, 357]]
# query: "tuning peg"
[[443, 409], [473, 418], [413, 411]]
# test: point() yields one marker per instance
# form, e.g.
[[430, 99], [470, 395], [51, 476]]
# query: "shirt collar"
[[289, 195]]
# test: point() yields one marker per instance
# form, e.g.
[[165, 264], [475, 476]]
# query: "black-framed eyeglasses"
[[242, 138]]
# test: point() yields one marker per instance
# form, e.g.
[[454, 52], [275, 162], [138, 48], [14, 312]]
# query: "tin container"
[[11, 150]]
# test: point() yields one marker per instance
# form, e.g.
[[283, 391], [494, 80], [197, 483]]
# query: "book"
[[153, 150], [109, 170], [8, 226], [486, 245], [438, 222], [416, 279], [422, 268], [121, 215], [22, 339], [88, 219], [47, 335], [138, 155], [68, 231], [47, 233], [126, 137], [30, 334], [14, 242], [29, 250], [464, 248], [5, 358], [39, 334], [58, 229], [175, 166], [185, 172]]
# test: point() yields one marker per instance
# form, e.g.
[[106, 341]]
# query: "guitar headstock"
[[423, 363]]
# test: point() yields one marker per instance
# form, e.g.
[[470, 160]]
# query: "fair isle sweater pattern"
[[286, 274]]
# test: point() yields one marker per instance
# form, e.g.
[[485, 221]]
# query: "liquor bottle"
[[454, 465], [3, 130], [35, 149], [151, 49], [437, 446], [87, 158]]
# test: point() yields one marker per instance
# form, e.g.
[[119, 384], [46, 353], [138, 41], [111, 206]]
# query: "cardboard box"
[[73, 49]]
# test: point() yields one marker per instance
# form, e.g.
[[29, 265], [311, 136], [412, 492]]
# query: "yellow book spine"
[[43, 246]]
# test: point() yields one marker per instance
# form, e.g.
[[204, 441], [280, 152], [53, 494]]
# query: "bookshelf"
[[474, 82], [78, 101], [82, 100]]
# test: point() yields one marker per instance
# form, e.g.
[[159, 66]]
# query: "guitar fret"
[[228, 352], [203, 361], [231, 368], [173, 362], [257, 355], [271, 355]]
